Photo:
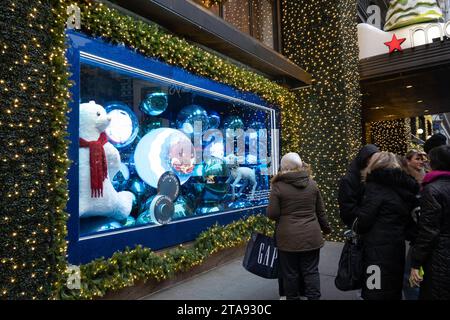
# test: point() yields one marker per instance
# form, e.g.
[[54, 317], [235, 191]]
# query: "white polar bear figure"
[[237, 174], [97, 196]]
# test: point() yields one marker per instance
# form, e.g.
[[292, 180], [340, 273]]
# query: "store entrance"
[[406, 96]]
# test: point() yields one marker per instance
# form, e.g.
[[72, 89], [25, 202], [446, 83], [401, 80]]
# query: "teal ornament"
[[139, 188], [154, 103], [134, 205], [183, 208], [120, 180], [129, 222], [98, 224], [214, 120], [215, 167], [149, 125], [237, 205], [190, 116], [233, 122], [208, 210]]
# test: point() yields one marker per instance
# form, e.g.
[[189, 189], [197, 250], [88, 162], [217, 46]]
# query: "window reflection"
[[263, 21], [236, 12]]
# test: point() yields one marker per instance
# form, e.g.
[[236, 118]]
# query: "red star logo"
[[395, 44]]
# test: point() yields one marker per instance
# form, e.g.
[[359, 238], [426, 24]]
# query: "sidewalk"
[[233, 282]]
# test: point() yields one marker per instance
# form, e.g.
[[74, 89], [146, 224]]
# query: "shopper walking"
[[296, 204], [382, 221], [351, 187], [432, 247]]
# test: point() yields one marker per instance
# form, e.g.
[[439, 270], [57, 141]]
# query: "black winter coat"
[[351, 188], [432, 246], [383, 219]]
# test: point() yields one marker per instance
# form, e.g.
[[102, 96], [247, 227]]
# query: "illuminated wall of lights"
[[321, 37], [392, 135]]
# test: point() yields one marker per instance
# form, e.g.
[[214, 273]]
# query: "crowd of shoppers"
[[390, 201]]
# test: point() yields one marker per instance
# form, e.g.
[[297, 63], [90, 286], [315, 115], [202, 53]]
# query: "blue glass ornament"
[[140, 189], [154, 103], [129, 222], [188, 116], [124, 125], [214, 120], [208, 210], [150, 124], [120, 180], [233, 122], [237, 205], [98, 224], [183, 208]]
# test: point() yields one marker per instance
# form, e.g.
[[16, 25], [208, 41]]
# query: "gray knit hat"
[[291, 161]]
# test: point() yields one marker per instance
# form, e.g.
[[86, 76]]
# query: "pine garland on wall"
[[321, 36], [33, 162]]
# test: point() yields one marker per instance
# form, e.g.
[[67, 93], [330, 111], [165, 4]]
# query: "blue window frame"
[[149, 96]]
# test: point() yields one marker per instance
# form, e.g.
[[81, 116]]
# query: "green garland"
[[34, 162], [141, 264], [33, 167]]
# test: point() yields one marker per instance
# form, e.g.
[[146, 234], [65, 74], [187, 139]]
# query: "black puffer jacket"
[[351, 188], [383, 219], [432, 247]]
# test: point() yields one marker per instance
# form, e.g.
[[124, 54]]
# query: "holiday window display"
[[213, 151]]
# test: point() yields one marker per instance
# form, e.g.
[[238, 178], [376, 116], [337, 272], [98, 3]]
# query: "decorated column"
[[321, 36]]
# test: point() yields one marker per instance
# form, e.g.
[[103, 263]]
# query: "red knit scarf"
[[97, 162]]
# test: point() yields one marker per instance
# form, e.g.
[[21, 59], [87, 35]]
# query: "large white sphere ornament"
[[162, 150]]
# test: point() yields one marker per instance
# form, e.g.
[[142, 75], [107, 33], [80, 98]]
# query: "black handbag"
[[261, 256], [350, 271]]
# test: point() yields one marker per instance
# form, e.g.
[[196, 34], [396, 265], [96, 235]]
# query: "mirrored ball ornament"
[[154, 103], [192, 117]]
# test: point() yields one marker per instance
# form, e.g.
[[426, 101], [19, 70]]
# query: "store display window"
[[159, 154]]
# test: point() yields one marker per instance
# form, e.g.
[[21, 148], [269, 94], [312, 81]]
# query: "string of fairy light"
[[33, 164], [321, 37], [392, 135]]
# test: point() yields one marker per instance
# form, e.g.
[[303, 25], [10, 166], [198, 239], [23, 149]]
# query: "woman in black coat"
[[432, 247], [351, 187], [382, 221]]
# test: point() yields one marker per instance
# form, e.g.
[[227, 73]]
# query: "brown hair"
[[381, 160]]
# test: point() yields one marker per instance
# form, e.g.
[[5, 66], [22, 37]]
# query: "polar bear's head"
[[93, 120]]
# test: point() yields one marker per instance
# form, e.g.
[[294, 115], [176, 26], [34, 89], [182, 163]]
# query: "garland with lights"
[[34, 163], [321, 37], [141, 264]]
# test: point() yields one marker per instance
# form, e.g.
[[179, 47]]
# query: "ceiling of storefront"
[[410, 95]]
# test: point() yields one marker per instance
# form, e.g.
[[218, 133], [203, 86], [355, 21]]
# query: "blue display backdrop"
[[159, 155]]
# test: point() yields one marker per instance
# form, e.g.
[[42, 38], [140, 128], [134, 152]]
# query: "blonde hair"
[[381, 160]]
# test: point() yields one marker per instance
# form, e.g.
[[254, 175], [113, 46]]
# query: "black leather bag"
[[261, 256], [350, 270]]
